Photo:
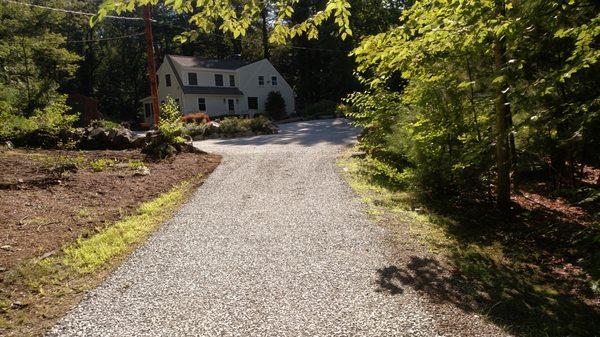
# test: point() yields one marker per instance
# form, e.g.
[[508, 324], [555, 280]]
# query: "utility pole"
[[151, 65]]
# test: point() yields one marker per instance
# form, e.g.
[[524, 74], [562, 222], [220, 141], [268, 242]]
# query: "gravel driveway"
[[273, 244]]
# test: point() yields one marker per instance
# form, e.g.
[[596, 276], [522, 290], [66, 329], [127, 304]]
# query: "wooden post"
[[151, 65]]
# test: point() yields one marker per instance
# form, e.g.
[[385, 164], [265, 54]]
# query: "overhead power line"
[[108, 38], [69, 11]]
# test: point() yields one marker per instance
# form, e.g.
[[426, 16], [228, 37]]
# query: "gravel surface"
[[273, 244]]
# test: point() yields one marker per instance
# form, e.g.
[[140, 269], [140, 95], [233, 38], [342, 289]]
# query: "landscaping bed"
[[49, 198]]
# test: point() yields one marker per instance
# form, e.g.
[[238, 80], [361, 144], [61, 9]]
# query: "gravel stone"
[[273, 244]]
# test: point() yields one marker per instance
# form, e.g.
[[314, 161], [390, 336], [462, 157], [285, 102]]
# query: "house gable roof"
[[231, 63]]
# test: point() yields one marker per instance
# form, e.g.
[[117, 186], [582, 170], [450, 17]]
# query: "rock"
[[9, 145], [67, 167], [48, 254], [142, 171], [18, 305], [106, 139], [7, 248]]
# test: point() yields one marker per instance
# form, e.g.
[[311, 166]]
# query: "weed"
[[135, 164], [102, 164]]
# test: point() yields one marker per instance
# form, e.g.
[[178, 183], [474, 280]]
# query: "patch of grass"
[[135, 164], [36, 293], [102, 164], [89, 254], [486, 265]]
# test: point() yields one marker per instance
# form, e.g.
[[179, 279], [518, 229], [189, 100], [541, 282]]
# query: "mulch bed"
[[49, 198]]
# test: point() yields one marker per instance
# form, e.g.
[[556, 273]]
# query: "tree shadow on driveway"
[[499, 293]]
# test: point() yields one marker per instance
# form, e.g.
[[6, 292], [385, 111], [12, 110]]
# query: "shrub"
[[195, 130], [198, 117], [49, 127], [167, 140], [261, 125], [232, 126], [275, 106], [321, 108]]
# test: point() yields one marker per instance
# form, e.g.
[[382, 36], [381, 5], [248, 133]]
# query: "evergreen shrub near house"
[[275, 106]]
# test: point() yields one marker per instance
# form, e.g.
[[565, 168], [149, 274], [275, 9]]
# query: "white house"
[[219, 87]]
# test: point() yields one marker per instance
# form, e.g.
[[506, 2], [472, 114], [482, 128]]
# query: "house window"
[[218, 80], [168, 80], [253, 103], [202, 104], [274, 80], [192, 79], [147, 110], [231, 80], [261, 80]]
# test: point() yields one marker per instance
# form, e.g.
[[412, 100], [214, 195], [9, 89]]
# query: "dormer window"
[[168, 80], [218, 80], [261, 80], [274, 80], [232, 80], [192, 79]]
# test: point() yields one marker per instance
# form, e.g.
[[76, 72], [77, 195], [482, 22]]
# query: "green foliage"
[[33, 57], [233, 126], [102, 164], [50, 126], [321, 108], [275, 106], [229, 17], [170, 123], [433, 80]]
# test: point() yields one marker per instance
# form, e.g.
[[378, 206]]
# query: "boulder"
[[98, 138]]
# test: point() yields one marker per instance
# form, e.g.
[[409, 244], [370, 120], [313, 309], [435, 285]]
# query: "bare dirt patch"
[[50, 198]]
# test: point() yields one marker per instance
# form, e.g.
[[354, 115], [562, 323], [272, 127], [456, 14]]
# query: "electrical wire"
[[108, 38], [71, 11]]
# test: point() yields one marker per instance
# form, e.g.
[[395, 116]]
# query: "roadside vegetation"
[[534, 274], [38, 291]]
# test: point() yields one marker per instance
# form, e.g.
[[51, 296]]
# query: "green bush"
[[261, 125], [49, 127], [275, 106], [321, 108], [232, 126], [166, 142]]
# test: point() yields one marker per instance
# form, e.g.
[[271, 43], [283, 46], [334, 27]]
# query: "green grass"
[[89, 254], [48, 287], [486, 265], [102, 164]]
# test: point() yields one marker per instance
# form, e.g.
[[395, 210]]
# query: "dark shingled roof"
[[231, 63], [212, 90]]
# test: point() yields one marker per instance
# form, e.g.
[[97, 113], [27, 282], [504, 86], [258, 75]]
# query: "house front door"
[[231, 105]]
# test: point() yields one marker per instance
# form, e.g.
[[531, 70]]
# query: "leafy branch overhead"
[[236, 17]]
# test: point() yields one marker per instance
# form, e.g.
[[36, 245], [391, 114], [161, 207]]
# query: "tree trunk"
[[265, 34], [502, 130]]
